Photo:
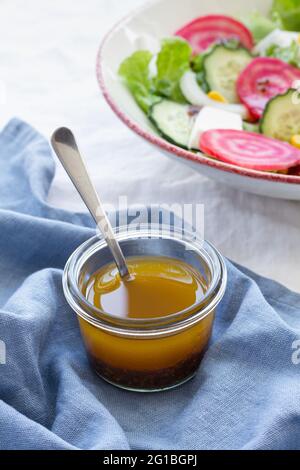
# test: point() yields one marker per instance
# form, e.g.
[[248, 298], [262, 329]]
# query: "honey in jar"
[[157, 291]]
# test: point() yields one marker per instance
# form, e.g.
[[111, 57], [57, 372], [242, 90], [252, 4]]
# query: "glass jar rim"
[[178, 320]]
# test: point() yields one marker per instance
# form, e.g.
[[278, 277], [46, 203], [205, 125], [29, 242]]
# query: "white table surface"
[[47, 68]]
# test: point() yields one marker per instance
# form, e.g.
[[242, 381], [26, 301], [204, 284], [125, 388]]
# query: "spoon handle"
[[64, 144]]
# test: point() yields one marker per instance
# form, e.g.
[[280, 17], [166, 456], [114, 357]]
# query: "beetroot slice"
[[295, 171], [263, 79], [202, 32], [249, 150]]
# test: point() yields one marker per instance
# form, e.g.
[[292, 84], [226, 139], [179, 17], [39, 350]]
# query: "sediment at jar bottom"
[[147, 363], [149, 379], [140, 353]]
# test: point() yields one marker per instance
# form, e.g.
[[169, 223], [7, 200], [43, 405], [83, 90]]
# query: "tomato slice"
[[206, 30], [249, 150], [263, 79]]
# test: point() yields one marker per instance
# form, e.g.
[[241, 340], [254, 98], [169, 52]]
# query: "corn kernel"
[[216, 96], [295, 140]]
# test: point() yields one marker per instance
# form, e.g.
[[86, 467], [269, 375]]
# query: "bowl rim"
[[158, 141]]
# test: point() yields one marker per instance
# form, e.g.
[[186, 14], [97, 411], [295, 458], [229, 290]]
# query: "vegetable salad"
[[228, 87]]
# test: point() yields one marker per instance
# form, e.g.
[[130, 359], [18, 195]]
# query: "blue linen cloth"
[[245, 396]]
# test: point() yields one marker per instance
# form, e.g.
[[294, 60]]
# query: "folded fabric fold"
[[245, 396]]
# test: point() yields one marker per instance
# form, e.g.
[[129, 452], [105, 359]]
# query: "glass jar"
[[149, 354]]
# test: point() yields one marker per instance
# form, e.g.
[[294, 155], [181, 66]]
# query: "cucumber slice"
[[281, 118], [174, 121], [194, 94], [222, 67]]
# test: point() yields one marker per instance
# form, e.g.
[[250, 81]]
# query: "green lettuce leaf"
[[290, 54], [260, 25], [135, 72], [172, 61], [197, 67], [289, 13], [197, 62]]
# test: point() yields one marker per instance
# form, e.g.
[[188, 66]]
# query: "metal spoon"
[[64, 144]]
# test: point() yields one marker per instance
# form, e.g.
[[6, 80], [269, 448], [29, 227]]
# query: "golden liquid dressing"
[[156, 287]]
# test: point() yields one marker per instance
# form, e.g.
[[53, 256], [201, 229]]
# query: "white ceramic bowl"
[[160, 18]]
